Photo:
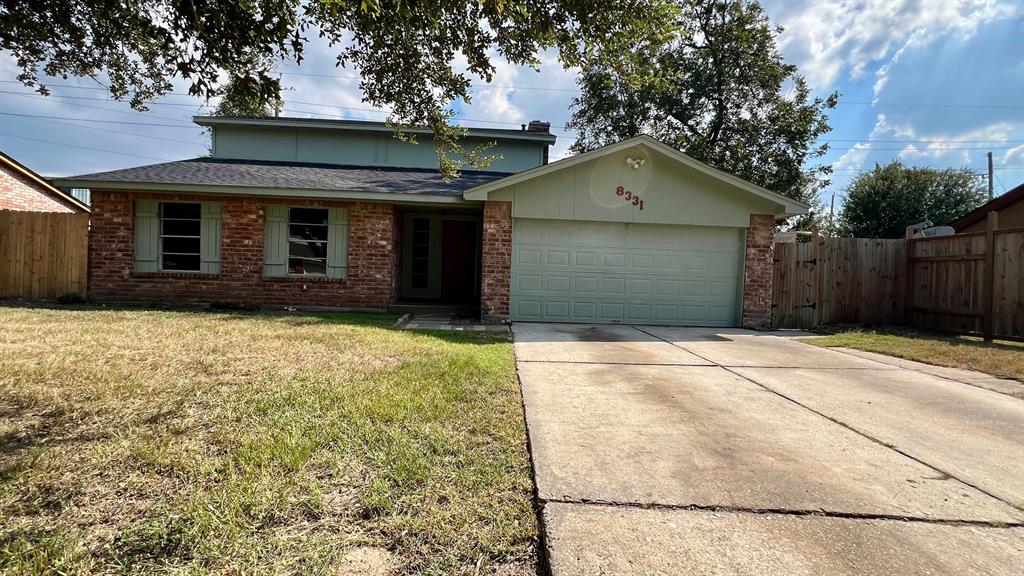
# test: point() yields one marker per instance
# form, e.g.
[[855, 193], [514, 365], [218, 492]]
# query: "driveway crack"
[[820, 513], [861, 433]]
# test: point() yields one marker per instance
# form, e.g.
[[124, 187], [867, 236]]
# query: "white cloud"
[[827, 38], [953, 148]]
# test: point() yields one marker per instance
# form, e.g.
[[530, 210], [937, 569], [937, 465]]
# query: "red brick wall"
[[496, 274], [757, 285], [19, 193], [372, 254]]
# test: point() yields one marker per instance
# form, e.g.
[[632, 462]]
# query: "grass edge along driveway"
[[1002, 359], [146, 441]]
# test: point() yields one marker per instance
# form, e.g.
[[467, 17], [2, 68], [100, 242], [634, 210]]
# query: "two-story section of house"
[[340, 213], [302, 212]]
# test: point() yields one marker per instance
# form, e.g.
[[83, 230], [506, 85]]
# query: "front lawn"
[[1002, 359], [141, 441]]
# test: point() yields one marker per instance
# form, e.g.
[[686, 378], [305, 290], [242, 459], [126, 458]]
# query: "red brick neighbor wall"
[[757, 275], [19, 193], [496, 276], [372, 257]]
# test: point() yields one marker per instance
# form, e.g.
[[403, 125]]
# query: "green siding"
[[359, 148], [275, 240], [337, 243], [672, 193], [147, 236], [209, 238]]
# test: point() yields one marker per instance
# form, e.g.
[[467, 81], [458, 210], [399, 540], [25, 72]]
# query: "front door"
[[440, 258], [458, 261]]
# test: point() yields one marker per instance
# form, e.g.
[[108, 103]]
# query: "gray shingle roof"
[[301, 176]]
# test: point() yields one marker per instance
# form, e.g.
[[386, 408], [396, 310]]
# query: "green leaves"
[[719, 91], [883, 202], [404, 51]]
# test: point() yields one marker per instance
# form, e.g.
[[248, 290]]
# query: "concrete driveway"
[[724, 451]]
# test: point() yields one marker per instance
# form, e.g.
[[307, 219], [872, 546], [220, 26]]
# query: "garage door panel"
[[614, 272]]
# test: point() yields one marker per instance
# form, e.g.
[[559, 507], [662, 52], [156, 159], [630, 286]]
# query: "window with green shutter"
[[305, 241], [177, 236]]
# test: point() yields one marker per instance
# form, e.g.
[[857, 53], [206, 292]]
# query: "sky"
[[930, 82]]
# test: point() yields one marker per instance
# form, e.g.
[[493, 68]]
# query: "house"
[[340, 213], [1010, 207], [23, 190]]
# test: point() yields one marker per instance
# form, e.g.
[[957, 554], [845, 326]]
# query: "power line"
[[83, 147], [96, 120], [109, 131], [64, 97], [576, 90]]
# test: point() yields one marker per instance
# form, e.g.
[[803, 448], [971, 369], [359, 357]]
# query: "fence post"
[[908, 280], [988, 290]]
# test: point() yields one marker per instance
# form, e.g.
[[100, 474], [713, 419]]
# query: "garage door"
[[564, 271]]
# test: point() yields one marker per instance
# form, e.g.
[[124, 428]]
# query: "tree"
[[883, 202], [403, 51], [720, 92], [240, 98]]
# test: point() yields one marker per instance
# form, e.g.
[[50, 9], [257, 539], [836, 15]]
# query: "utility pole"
[[989, 175]]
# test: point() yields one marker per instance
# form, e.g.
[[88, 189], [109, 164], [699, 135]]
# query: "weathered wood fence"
[[43, 254], [968, 283]]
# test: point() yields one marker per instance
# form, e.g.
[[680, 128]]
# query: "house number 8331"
[[630, 197]]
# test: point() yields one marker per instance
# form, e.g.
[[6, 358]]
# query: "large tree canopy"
[[404, 51], [721, 93], [883, 202]]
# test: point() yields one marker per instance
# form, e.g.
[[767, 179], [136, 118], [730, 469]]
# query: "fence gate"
[[795, 286]]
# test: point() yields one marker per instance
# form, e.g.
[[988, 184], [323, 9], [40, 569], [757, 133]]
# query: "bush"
[[70, 298]]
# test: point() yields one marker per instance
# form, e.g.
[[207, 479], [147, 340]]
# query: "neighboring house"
[[340, 213], [1010, 207], [23, 190]]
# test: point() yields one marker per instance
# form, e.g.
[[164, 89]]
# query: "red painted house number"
[[630, 197]]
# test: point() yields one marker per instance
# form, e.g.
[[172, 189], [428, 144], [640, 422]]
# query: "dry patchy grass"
[[141, 441], [1002, 359]]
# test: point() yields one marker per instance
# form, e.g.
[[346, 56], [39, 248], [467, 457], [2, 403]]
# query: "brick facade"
[[372, 280], [20, 193], [757, 272], [496, 276]]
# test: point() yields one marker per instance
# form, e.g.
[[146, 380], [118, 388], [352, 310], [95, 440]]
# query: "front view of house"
[[302, 212]]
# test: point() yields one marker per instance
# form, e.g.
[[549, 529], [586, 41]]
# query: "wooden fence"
[[968, 283], [838, 280], [43, 254]]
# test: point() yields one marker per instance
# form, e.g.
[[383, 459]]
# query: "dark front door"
[[458, 261], [441, 258]]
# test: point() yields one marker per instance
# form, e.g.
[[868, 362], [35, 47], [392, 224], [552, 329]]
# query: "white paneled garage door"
[[566, 271]]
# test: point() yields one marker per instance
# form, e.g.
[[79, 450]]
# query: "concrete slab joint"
[[665, 450]]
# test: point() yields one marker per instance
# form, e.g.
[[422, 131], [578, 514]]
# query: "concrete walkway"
[[719, 451]]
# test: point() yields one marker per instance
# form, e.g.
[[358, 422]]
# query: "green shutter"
[[337, 242], [147, 235], [209, 239], [275, 240]]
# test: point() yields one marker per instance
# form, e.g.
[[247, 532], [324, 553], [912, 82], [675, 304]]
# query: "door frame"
[[436, 253]]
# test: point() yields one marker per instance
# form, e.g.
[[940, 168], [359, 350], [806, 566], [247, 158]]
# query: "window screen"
[[180, 225], [307, 241]]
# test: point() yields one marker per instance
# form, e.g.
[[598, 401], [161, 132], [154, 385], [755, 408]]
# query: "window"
[[180, 225], [307, 241]]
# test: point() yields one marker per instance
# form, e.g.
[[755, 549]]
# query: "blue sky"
[[932, 82]]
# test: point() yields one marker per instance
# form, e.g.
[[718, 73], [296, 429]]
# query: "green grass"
[[1002, 359], [170, 442]]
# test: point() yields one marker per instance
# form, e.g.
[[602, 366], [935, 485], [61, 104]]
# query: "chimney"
[[538, 126]]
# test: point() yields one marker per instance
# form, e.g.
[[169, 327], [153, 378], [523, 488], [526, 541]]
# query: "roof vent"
[[538, 126]]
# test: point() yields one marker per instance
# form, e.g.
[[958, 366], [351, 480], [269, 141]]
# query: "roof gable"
[[42, 185], [996, 204], [785, 206]]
